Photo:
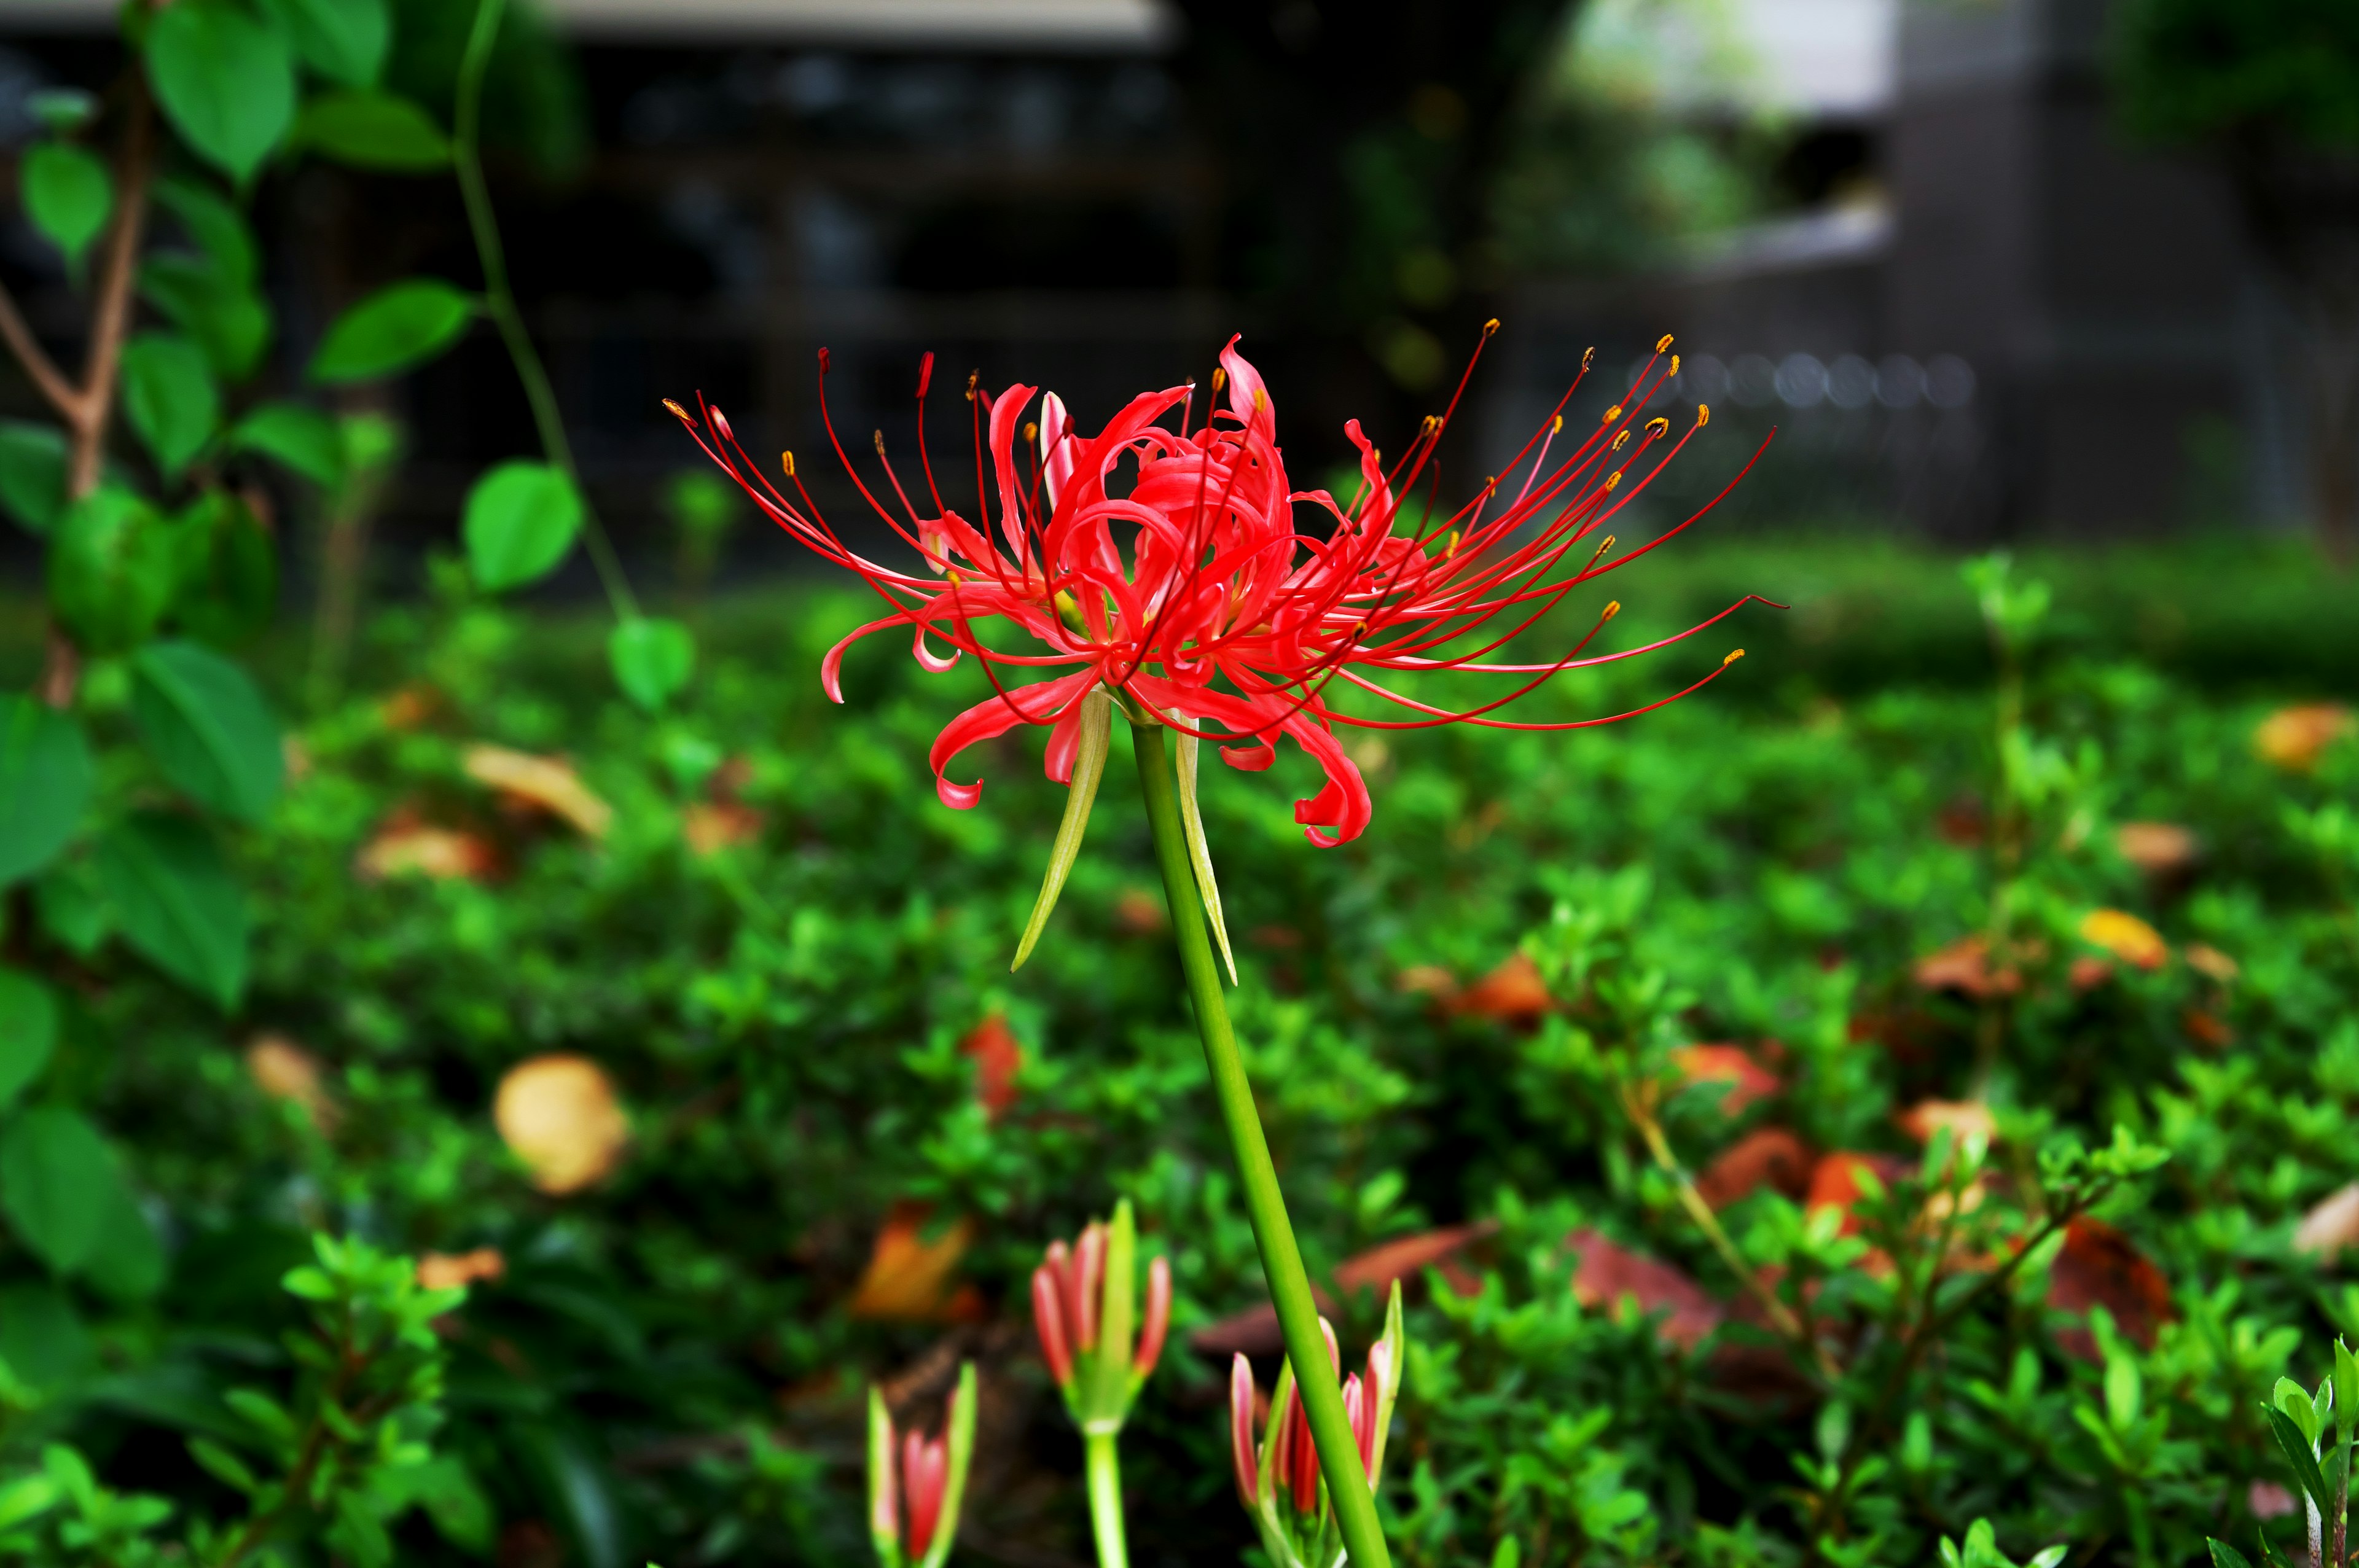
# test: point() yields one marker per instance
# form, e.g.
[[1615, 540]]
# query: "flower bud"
[[1241, 1428], [1048, 1317], [1158, 1322]]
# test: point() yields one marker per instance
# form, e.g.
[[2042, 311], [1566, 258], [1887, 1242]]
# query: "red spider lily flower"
[[1244, 608], [1082, 1301], [920, 1477], [1277, 1477]]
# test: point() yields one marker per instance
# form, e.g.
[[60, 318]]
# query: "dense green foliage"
[[670, 1364]]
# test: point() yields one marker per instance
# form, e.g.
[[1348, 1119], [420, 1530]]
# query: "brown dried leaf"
[[284, 1070], [1766, 1156], [560, 1115], [1406, 1259], [1963, 1118], [1747, 1079], [1609, 1272], [1514, 992], [998, 1056], [404, 847], [2157, 848], [710, 828], [2101, 1266], [2331, 1224], [545, 783], [908, 1275], [448, 1270]]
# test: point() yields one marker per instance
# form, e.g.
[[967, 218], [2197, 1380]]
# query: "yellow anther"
[[1603, 545], [676, 411], [1657, 428], [1587, 355], [1732, 658], [955, 581], [1703, 414], [1261, 400], [1449, 545], [1067, 604], [1613, 608], [880, 443], [1675, 365], [1614, 478], [1621, 438], [1556, 426], [1031, 430], [787, 458], [1662, 343], [1490, 487], [1220, 378], [1611, 415], [1427, 423], [1491, 326]]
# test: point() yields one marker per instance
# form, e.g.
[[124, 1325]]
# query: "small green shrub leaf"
[[652, 660], [111, 570], [226, 570], [225, 316], [169, 397], [45, 784], [214, 225], [521, 519], [374, 130], [2303, 1462], [205, 723], [176, 902], [344, 40], [399, 326], [226, 81], [55, 1178], [300, 438], [28, 1033], [68, 194], [33, 473]]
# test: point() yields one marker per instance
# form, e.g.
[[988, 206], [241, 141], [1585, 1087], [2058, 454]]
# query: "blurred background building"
[[1911, 234]]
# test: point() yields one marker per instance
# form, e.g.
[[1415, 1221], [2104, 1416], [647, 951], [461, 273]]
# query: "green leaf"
[[214, 225], [521, 519], [127, 1261], [28, 1032], [300, 438], [374, 130], [1089, 766], [55, 1177], [207, 727], [2298, 1456], [42, 1337], [177, 903], [344, 40], [2226, 1556], [33, 473], [652, 660], [72, 909], [168, 395], [1200, 851], [221, 1465], [62, 109], [45, 777], [226, 81], [226, 570], [68, 194], [396, 328], [225, 316], [112, 570]]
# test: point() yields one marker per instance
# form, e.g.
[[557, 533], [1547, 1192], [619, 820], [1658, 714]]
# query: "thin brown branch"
[[111, 319], [48, 379]]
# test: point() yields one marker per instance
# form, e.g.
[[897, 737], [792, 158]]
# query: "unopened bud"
[[1157, 1323], [1242, 1458], [1048, 1318], [721, 424]]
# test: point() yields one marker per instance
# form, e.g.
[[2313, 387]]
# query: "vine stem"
[[1105, 1467], [499, 301], [1281, 1260]]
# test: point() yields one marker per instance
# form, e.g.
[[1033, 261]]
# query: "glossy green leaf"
[[55, 1181], [42, 1339], [177, 903], [2298, 1455], [204, 721], [652, 660], [373, 130], [521, 519], [126, 1261], [215, 224], [399, 326], [1089, 766], [303, 439], [344, 40], [111, 570], [225, 317], [68, 194], [2226, 1556], [33, 473], [45, 776], [226, 570], [226, 79], [28, 1033], [169, 397], [72, 907], [1199, 850]]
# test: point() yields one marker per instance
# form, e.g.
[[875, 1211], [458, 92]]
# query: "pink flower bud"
[[1302, 1457], [1334, 1352], [1361, 1411], [1089, 1284], [1157, 1320], [1381, 1371], [1048, 1317], [1241, 1428], [721, 426], [925, 1469]]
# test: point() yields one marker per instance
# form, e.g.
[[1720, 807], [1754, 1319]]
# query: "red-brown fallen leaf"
[[1963, 1118], [2126, 937], [1609, 1272], [406, 847], [1251, 1332], [2295, 737], [1766, 1156], [2101, 1266], [1514, 993], [1747, 1079], [2332, 1225], [1835, 1181], [284, 1070], [908, 1275], [1964, 965], [1139, 913], [2207, 1029], [2087, 972], [1427, 980], [2157, 848], [1962, 821], [998, 1056], [446, 1270], [409, 706], [543, 783], [1406, 1259], [711, 827], [2208, 961]]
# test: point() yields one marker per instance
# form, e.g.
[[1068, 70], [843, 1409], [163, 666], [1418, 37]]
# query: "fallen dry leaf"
[[404, 847], [2331, 1224], [1836, 1181], [2295, 737], [1747, 1079], [709, 828], [448, 1270], [1964, 1118], [908, 1275], [2101, 1266], [2157, 848], [998, 1056], [546, 783], [1426, 979], [1609, 1272], [1406, 1258], [2209, 962], [1139, 913], [2207, 1029], [409, 706], [1770, 1156], [560, 1115], [2125, 937], [1964, 965], [1513, 993], [285, 1071], [2087, 972]]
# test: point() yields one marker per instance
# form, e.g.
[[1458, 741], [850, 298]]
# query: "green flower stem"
[[1105, 1498], [1281, 1261], [499, 301]]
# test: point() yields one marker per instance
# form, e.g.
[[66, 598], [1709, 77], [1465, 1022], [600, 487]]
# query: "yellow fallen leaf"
[[2125, 937], [558, 1115], [448, 1270], [549, 783], [908, 1274], [406, 847], [2294, 738]]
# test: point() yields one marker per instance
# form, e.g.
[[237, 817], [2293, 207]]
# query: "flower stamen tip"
[[1611, 415], [1703, 414], [1732, 658], [676, 411], [787, 458], [1491, 326], [1663, 342]]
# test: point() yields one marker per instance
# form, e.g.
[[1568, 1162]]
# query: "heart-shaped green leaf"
[[177, 903], [521, 519], [226, 81], [207, 727], [399, 326]]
